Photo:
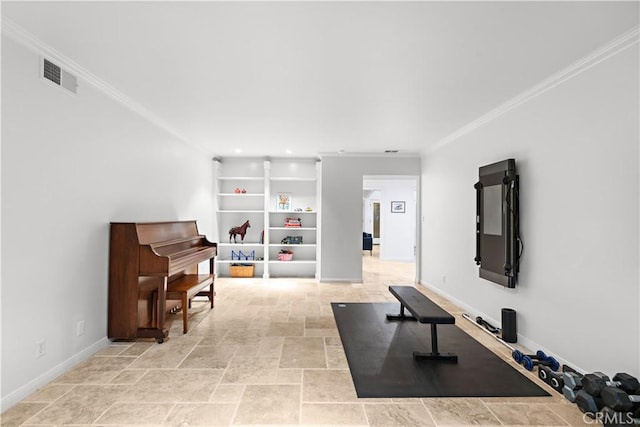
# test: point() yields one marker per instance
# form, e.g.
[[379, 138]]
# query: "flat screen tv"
[[498, 244]]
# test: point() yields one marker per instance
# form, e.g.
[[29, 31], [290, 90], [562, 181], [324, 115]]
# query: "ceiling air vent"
[[58, 76]]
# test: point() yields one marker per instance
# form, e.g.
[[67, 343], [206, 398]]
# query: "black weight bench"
[[423, 310]]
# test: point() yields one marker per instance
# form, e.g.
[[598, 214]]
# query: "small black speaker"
[[509, 330]]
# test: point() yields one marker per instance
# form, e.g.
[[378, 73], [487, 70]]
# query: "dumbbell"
[[627, 382], [554, 379], [618, 400], [529, 361], [595, 382], [588, 404], [572, 383], [611, 417]]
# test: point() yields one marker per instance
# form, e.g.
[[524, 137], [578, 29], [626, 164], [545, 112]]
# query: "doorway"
[[390, 206]]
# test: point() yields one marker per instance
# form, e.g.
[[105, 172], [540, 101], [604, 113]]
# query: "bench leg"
[[434, 355], [400, 316]]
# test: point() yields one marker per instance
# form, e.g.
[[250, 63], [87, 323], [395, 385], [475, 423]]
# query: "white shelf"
[[235, 261], [262, 182], [241, 178], [292, 228], [288, 178], [293, 262], [241, 194], [292, 212], [303, 245]]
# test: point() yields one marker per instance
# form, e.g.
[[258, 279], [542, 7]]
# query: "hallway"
[[384, 273]]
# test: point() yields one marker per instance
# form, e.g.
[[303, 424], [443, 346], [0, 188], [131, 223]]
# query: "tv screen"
[[492, 210]]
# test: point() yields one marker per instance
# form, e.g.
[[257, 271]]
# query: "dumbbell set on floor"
[[547, 367], [530, 361], [567, 382], [613, 402]]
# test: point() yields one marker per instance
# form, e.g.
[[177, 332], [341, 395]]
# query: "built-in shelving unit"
[[249, 189]]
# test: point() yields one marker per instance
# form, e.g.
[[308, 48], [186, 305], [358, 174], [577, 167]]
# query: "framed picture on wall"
[[397, 207], [283, 202]]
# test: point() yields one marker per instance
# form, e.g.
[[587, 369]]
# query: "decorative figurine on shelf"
[[291, 240], [240, 191], [242, 256], [292, 222], [285, 255], [283, 202], [241, 230]]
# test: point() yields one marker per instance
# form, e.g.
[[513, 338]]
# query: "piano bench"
[[185, 288]]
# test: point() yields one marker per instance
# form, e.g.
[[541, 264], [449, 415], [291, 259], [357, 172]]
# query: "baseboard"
[[523, 340], [53, 373]]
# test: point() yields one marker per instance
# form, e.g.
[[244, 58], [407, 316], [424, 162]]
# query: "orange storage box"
[[245, 270]]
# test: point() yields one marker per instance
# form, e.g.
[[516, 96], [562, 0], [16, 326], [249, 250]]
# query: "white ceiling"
[[319, 77]]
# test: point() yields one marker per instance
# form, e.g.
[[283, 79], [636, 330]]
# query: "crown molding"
[[30, 41], [402, 154], [617, 45]]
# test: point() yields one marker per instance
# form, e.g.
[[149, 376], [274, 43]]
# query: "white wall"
[[576, 147], [397, 230], [70, 165], [341, 220]]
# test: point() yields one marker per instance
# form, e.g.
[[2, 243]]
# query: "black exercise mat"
[[381, 362]]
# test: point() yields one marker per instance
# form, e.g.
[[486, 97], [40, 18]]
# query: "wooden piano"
[[153, 270]]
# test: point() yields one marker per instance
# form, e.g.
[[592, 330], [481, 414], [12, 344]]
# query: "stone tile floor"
[[268, 354]]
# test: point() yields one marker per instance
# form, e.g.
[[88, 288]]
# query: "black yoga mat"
[[380, 356]]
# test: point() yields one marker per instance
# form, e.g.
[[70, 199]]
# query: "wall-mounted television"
[[498, 243]]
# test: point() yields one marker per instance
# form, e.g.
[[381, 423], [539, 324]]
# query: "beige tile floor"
[[268, 354]]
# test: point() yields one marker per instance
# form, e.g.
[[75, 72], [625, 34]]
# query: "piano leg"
[[158, 304], [162, 304], [212, 270]]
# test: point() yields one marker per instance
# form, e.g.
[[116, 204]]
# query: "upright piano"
[[153, 270]]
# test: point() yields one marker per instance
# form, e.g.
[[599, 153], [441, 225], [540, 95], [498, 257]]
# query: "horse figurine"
[[241, 230]]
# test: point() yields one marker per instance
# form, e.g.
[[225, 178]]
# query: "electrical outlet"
[[80, 328], [444, 279], [40, 348]]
